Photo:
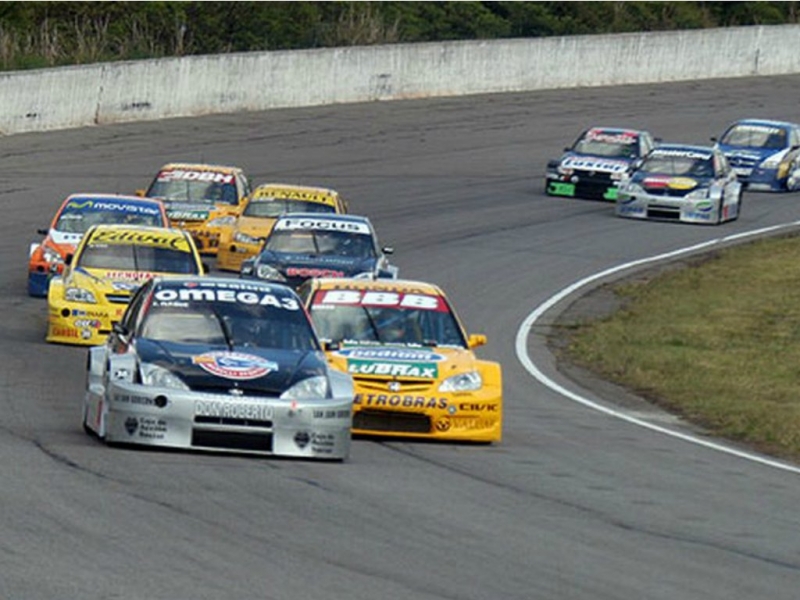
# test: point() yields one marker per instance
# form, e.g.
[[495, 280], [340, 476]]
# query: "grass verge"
[[716, 341]]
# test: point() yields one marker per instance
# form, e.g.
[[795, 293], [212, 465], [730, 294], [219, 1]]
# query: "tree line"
[[48, 34]]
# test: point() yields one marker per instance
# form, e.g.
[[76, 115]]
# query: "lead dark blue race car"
[[597, 162]]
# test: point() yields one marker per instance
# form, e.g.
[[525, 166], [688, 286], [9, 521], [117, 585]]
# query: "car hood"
[[258, 227], [675, 186], [109, 281], [389, 361], [315, 265], [218, 369], [589, 162], [755, 155]]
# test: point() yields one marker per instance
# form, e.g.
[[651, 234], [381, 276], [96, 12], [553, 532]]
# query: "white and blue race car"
[[765, 154], [678, 182]]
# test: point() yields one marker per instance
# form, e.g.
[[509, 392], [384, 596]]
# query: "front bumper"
[[664, 208], [231, 256], [78, 323], [579, 185], [459, 416], [137, 414]]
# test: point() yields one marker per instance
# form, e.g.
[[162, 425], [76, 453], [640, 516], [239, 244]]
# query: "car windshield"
[[135, 257], [342, 316], [195, 191], [754, 136], [231, 324], [612, 145], [304, 241], [78, 220], [279, 206], [679, 165]]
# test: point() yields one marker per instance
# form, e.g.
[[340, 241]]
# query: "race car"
[[597, 162], [76, 214], [305, 245], [675, 182], [415, 372], [219, 364], [259, 212], [202, 199], [110, 262], [765, 154]]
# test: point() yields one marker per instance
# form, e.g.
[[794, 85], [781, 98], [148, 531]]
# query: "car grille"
[[742, 162], [233, 422], [232, 440], [391, 421], [382, 384], [118, 298], [654, 211]]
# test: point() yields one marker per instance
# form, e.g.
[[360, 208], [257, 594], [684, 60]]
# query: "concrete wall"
[[146, 90]]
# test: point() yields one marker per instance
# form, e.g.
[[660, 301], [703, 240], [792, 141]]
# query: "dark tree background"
[[45, 34]]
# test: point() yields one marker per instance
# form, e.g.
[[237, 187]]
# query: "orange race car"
[[202, 199], [259, 213], [73, 218]]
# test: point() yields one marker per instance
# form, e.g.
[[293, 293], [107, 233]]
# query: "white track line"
[[524, 331]]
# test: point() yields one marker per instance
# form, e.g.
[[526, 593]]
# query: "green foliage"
[[35, 34]]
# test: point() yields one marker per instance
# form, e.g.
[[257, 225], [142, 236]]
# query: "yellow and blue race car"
[[202, 199], [414, 369], [109, 264], [259, 213]]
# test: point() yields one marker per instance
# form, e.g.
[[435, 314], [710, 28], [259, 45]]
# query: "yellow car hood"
[[107, 281], [257, 227]]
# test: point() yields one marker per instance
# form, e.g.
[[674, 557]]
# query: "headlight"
[[156, 376], [701, 194], [312, 388], [221, 221], [243, 238], [73, 294], [463, 382], [268, 272], [771, 162], [51, 256]]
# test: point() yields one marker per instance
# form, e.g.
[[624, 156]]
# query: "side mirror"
[[388, 250], [330, 345], [68, 259], [42, 231], [206, 268], [475, 340], [140, 193]]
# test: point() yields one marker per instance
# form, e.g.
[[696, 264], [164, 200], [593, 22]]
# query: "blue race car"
[[306, 245], [765, 154], [596, 163]]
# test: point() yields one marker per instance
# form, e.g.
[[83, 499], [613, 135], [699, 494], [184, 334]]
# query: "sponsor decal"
[[442, 424], [312, 272], [142, 238], [559, 188], [149, 428], [273, 193], [656, 182], [120, 279], [232, 410], [366, 367], [385, 354], [234, 365], [400, 401], [319, 413], [90, 205], [321, 223], [169, 296], [682, 183], [463, 422], [380, 298], [323, 443], [302, 439], [188, 215], [131, 425], [622, 137], [93, 323], [595, 164], [477, 407], [687, 153], [65, 332], [190, 175], [130, 399]]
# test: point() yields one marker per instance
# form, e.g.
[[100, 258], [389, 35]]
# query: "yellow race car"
[[110, 262], [259, 213], [414, 369], [202, 199]]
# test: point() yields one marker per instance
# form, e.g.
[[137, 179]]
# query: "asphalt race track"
[[573, 504]]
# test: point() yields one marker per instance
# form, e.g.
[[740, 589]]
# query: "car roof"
[[214, 281], [384, 285], [200, 167], [765, 123], [112, 197], [617, 130], [325, 217], [289, 191], [673, 147]]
